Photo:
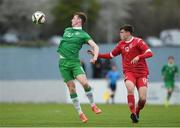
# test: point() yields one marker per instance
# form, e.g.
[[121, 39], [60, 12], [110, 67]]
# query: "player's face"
[[124, 35], [114, 68], [76, 21], [171, 61]]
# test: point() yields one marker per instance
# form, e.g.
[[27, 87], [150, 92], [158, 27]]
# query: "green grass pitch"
[[64, 115]]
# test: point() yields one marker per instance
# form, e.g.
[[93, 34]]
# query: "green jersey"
[[71, 43], [169, 72]]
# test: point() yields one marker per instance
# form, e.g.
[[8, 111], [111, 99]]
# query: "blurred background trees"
[[64, 10], [149, 17]]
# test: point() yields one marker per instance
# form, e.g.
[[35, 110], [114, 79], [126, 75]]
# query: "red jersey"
[[129, 51]]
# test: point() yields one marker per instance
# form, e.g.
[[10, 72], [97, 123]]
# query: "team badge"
[[126, 49], [69, 34]]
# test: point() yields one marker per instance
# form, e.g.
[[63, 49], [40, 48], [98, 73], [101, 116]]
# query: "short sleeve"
[[86, 37]]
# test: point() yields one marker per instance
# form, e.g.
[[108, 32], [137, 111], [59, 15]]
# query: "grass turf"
[[64, 115]]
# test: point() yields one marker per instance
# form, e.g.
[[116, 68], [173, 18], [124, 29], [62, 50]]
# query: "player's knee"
[[142, 97], [84, 83], [130, 89], [71, 87]]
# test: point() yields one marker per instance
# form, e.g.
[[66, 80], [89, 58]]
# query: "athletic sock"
[[140, 106], [89, 95], [76, 102], [169, 95], [131, 103]]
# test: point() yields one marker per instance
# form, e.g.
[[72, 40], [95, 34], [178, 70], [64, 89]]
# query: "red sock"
[[140, 106], [131, 103]]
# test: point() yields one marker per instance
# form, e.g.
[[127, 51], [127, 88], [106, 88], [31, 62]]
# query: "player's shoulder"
[[68, 28], [120, 42], [84, 32], [176, 66], [166, 66], [138, 39]]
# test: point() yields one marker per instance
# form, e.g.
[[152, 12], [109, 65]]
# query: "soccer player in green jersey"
[[169, 71], [69, 64]]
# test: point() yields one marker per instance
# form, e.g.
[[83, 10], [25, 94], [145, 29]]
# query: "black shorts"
[[112, 87]]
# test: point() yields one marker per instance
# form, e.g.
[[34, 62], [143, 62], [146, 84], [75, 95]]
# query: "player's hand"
[[90, 52], [93, 60], [135, 60]]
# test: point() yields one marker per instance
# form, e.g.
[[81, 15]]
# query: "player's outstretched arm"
[[115, 52], [95, 51], [104, 56]]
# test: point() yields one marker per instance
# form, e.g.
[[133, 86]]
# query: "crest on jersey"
[[126, 49], [69, 34]]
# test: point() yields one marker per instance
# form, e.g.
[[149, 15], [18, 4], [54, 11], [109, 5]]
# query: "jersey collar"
[[170, 65], [129, 40], [77, 28]]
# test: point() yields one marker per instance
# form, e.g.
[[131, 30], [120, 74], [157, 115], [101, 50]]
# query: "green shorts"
[[169, 84], [70, 69]]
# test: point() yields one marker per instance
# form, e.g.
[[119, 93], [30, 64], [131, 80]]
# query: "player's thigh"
[[169, 85], [141, 82], [130, 81], [129, 76], [82, 79]]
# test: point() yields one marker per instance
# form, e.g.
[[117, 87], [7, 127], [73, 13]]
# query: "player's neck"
[[129, 39], [77, 26], [170, 64]]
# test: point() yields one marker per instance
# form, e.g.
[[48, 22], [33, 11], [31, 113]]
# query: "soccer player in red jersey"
[[134, 51]]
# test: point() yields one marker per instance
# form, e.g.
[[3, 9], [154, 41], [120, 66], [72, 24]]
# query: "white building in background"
[[170, 37]]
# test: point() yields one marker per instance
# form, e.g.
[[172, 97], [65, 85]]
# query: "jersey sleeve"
[[86, 37]]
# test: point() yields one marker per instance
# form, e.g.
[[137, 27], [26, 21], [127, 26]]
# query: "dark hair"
[[171, 57], [82, 16], [127, 28]]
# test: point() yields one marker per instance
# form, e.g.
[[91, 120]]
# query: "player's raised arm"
[[95, 51]]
